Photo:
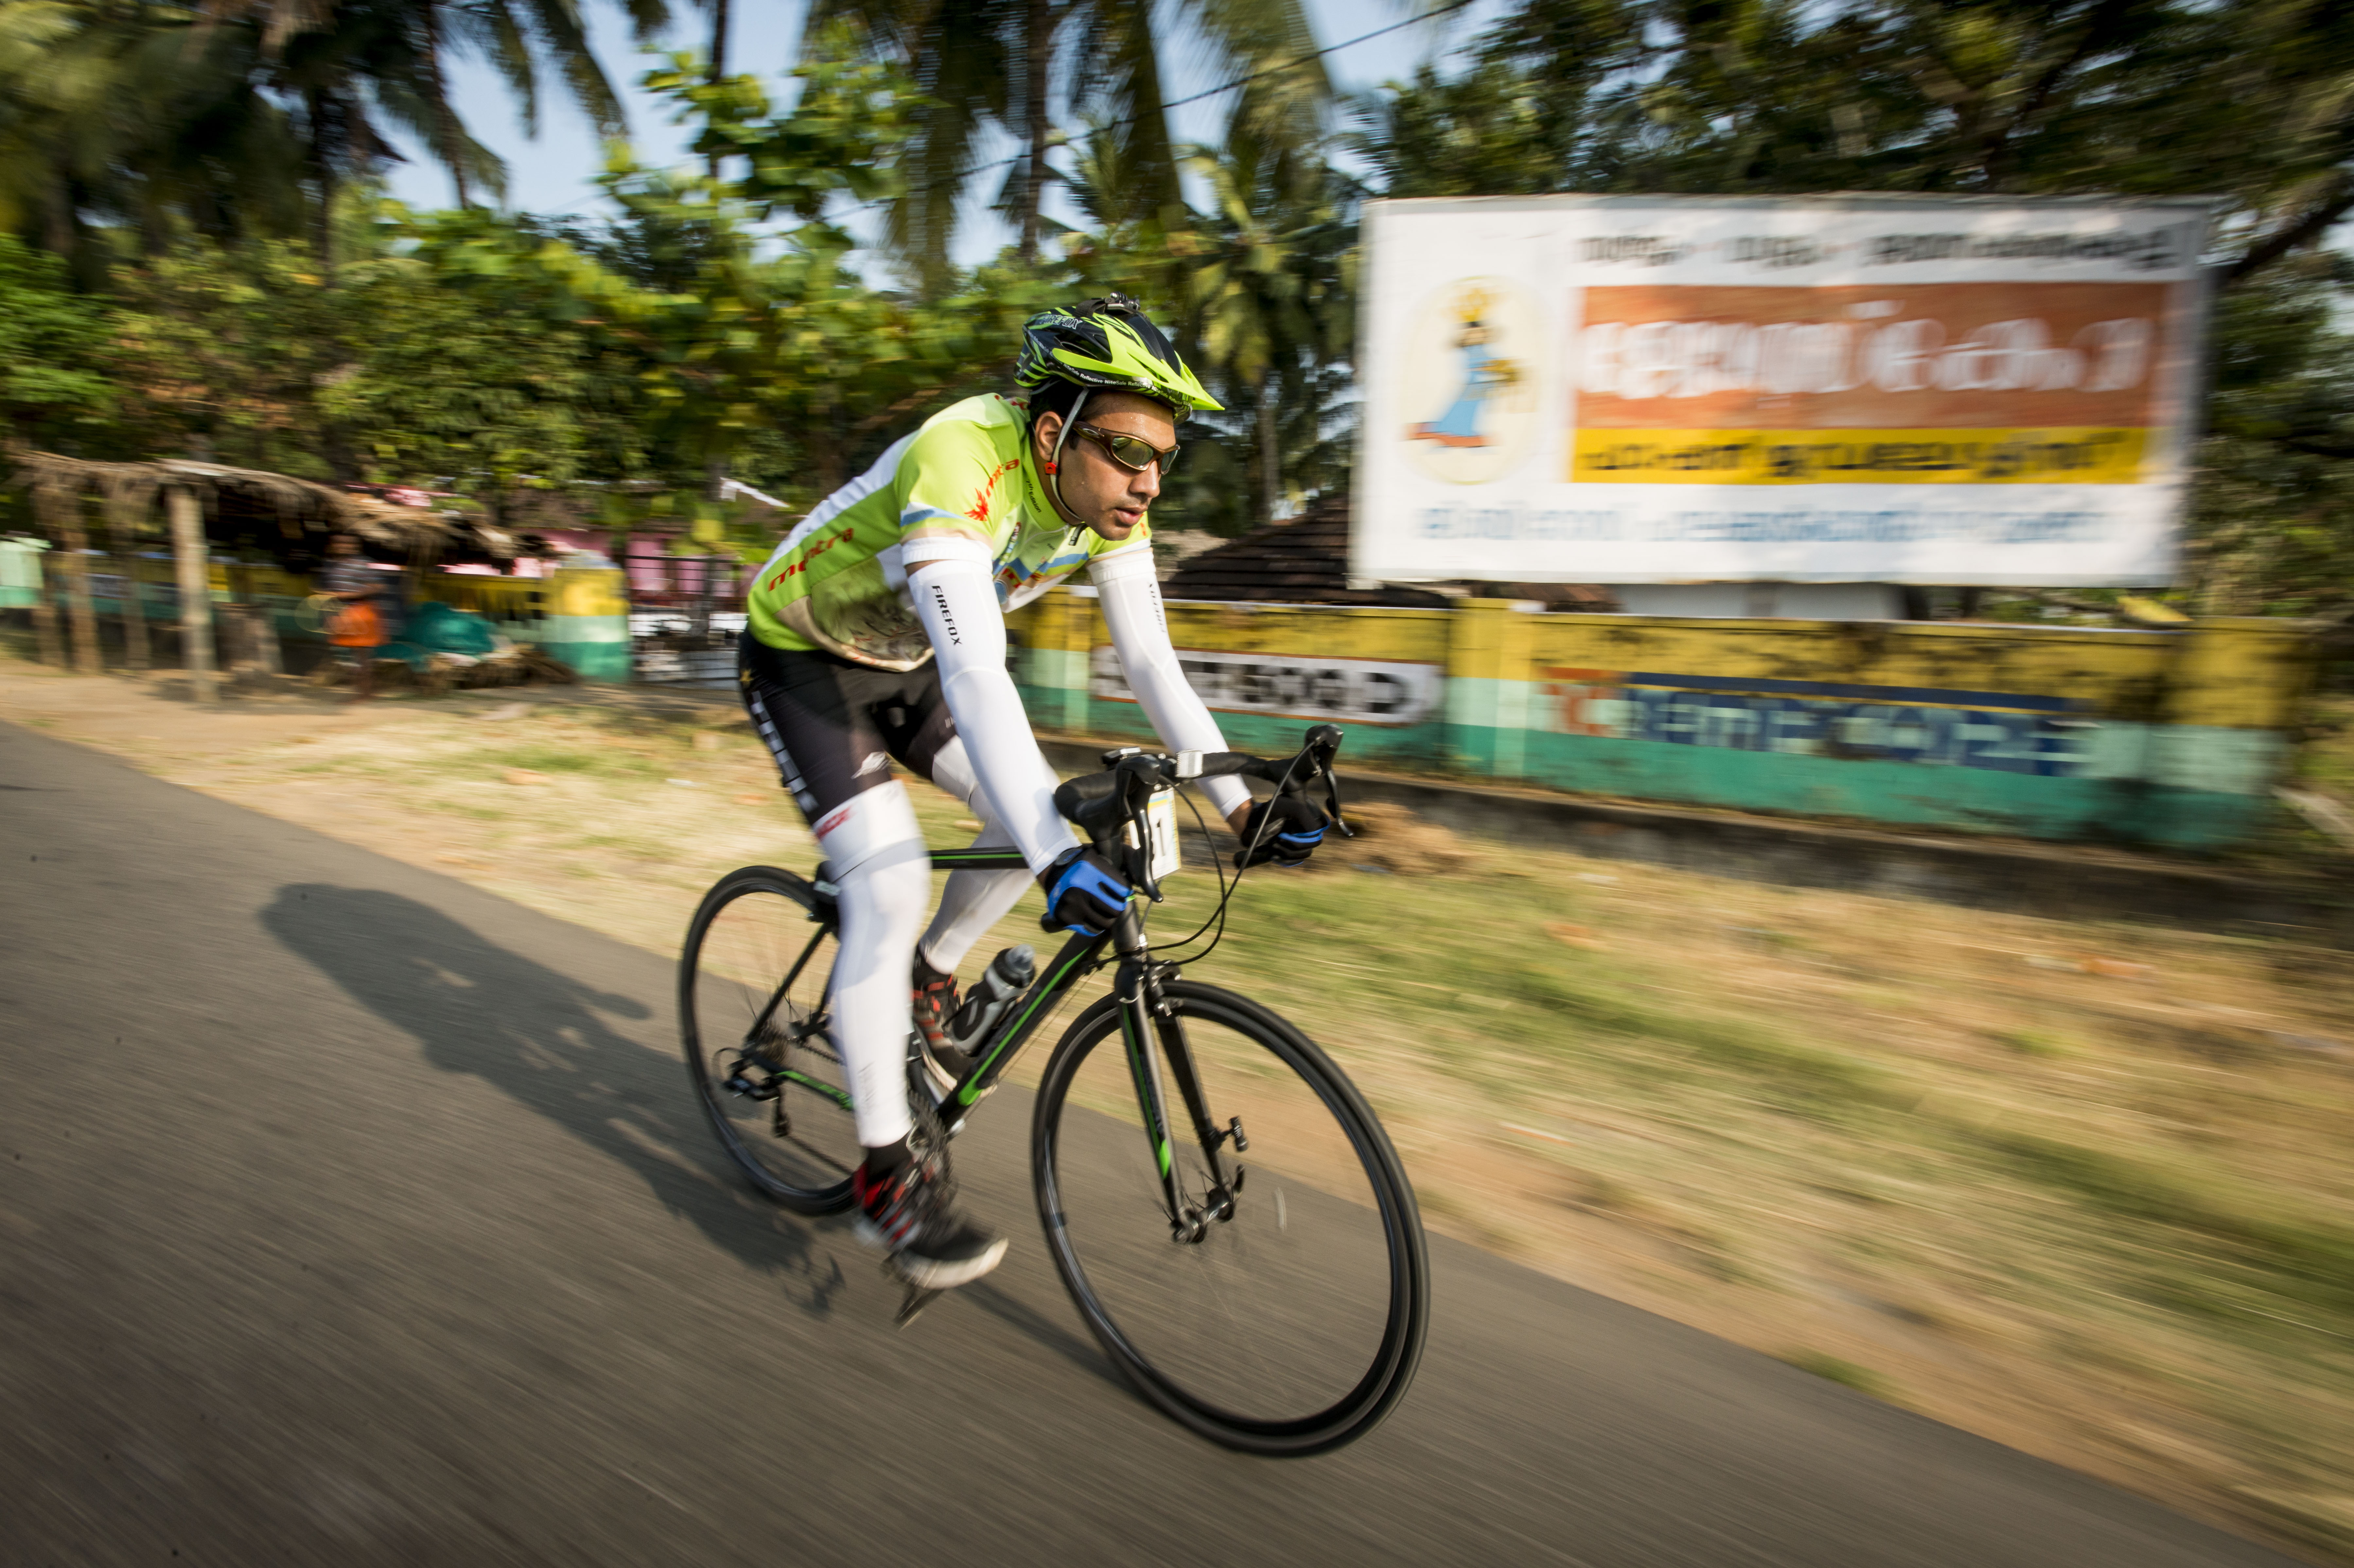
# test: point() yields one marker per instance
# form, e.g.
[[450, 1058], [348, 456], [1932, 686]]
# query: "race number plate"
[[1160, 828]]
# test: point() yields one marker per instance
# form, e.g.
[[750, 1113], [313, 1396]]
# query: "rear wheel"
[[752, 1012], [1282, 1308]]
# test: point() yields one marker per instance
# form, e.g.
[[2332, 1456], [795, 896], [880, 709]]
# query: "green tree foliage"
[[53, 351], [498, 385], [759, 354], [383, 371], [2243, 99], [2272, 526], [222, 350], [134, 114], [237, 117]]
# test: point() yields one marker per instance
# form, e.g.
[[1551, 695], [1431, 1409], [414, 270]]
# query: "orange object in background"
[[357, 625]]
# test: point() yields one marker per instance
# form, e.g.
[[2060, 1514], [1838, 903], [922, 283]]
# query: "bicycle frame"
[[1154, 1041], [1149, 1032]]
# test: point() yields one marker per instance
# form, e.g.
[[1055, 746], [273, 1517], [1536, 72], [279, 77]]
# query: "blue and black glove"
[[1084, 894], [1296, 828]]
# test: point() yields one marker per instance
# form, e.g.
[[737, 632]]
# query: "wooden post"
[[195, 576], [59, 505]]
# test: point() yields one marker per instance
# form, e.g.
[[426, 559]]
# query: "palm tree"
[[985, 62], [1267, 286], [232, 115], [120, 112], [355, 62], [957, 53]]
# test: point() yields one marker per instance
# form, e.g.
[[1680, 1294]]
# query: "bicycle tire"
[[807, 1166], [1058, 1137]]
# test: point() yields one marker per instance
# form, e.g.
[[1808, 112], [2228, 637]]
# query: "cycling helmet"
[[1108, 345]]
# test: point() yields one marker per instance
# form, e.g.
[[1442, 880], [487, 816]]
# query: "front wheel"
[[1281, 1308]]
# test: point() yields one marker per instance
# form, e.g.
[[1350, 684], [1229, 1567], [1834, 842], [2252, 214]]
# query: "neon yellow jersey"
[[836, 583]]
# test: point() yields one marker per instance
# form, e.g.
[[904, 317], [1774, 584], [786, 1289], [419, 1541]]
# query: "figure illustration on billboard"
[[1486, 372], [1470, 348]]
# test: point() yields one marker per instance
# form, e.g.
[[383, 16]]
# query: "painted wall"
[[2155, 737]]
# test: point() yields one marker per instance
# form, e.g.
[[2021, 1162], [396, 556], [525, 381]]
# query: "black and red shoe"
[[911, 1211]]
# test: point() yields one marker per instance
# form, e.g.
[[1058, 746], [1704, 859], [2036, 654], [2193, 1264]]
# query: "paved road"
[[351, 1216]]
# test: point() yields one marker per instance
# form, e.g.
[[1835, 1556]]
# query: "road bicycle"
[[1219, 1200]]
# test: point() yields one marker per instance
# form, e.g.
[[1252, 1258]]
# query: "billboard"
[[1648, 389]]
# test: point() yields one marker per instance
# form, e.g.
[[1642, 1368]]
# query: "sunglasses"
[[1131, 452]]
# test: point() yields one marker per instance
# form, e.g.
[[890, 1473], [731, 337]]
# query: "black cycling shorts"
[[835, 728]]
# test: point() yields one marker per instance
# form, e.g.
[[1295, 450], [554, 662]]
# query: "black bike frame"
[[1149, 1032]]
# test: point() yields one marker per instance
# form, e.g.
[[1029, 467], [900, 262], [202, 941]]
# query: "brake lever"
[[1323, 745], [1332, 802]]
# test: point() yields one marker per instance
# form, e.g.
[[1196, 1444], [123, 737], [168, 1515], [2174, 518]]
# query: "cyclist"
[[876, 632]]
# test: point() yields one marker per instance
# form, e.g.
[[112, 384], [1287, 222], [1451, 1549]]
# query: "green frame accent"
[[838, 1095]]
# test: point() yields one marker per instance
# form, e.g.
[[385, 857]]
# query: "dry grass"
[[2082, 1188]]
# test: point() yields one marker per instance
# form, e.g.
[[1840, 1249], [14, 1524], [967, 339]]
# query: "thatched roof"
[[241, 500]]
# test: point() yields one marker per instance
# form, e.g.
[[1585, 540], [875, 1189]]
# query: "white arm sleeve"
[[1139, 630], [957, 602]]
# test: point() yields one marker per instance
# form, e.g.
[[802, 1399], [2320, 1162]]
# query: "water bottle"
[[1007, 976]]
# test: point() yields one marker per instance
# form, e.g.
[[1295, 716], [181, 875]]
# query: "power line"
[[1244, 80]]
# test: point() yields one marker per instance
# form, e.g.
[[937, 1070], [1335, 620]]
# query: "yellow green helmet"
[[1107, 345]]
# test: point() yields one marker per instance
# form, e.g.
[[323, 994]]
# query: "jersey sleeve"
[[954, 482], [1129, 598], [959, 607]]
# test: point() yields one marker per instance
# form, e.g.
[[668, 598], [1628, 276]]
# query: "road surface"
[[350, 1215]]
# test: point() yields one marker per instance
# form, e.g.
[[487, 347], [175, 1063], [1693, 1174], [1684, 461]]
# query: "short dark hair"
[[1056, 398]]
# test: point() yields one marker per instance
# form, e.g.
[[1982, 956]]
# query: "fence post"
[[127, 505], [44, 611], [194, 564], [59, 506], [1488, 683]]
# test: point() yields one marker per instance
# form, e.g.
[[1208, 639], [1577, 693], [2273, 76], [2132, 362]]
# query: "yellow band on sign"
[[2073, 455]]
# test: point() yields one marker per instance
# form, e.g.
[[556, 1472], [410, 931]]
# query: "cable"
[[1225, 893], [1162, 108], [1217, 915]]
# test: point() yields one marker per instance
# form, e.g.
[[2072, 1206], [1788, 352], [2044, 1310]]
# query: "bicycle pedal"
[[912, 1307]]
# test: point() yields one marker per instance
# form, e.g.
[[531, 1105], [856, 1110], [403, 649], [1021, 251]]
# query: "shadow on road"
[[536, 1034]]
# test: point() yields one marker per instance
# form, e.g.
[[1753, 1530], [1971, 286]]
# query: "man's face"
[[342, 545], [1098, 492]]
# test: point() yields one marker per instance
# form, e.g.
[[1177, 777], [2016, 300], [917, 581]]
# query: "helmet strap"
[[1053, 463]]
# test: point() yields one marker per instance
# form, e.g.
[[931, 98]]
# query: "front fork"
[[1154, 1038]]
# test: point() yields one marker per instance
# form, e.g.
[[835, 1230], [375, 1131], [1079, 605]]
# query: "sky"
[[555, 172]]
